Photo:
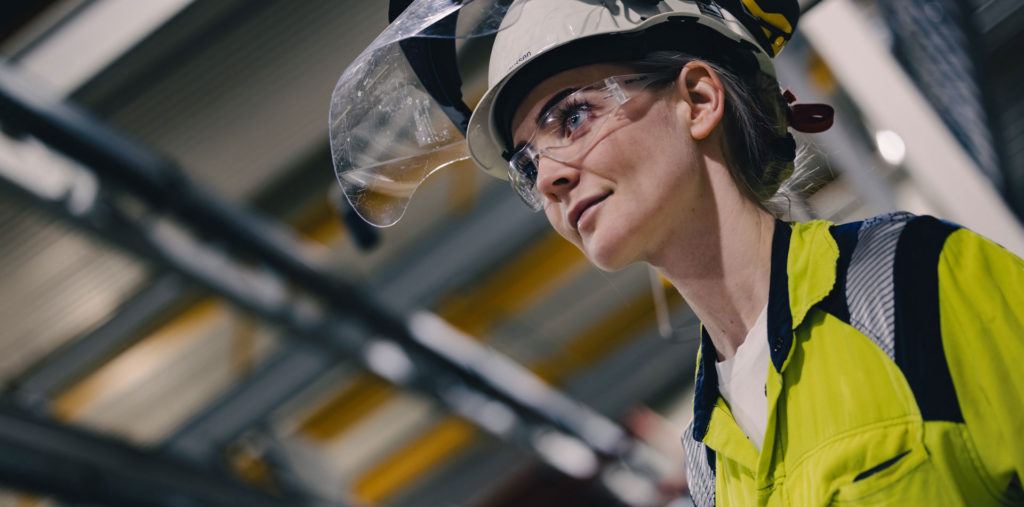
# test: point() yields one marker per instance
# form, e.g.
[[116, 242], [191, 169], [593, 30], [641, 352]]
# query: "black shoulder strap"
[[919, 351]]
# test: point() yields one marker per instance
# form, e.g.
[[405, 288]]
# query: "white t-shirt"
[[741, 381]]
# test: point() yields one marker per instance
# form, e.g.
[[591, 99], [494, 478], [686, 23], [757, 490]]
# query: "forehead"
[[573, 78]]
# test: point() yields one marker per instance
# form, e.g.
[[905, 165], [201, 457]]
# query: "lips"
[[577, 211]]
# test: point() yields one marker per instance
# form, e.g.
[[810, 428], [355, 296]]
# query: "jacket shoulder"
[[887, 288]]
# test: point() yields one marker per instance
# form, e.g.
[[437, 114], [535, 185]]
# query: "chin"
[[607, 254]]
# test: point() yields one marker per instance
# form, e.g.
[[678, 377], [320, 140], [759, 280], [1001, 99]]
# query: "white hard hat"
[[550, 36], [396, 113]]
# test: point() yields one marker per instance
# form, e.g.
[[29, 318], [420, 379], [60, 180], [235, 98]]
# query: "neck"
[[723, 270]]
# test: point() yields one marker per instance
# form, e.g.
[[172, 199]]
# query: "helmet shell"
[[550, 36]]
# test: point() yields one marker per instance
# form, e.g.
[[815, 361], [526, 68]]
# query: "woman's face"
[[622, 200]]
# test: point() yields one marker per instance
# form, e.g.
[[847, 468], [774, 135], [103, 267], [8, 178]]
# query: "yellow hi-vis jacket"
[[896, 376]]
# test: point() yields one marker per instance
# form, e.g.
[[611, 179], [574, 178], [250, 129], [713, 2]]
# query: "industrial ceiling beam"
[[413, 281], [75, 465], [468, 378], [440, 361]]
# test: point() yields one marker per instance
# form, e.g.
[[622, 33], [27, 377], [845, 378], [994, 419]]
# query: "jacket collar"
[[803, 271]]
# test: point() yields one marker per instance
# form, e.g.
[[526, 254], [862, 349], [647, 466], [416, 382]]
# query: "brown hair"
[[759, 151]]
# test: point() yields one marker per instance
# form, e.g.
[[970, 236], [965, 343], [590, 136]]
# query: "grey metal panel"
[[243, 87], [933, 43], [56, 283]]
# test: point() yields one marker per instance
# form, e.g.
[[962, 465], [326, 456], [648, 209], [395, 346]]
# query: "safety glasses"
[[572, 126]]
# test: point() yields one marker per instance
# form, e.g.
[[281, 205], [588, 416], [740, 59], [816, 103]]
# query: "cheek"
[[557, 220], [651, 138]]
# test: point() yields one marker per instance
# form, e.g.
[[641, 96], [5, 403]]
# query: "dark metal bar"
[[76, 465]]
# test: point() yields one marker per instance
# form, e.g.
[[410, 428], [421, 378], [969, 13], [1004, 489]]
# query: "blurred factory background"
[[190, 315]]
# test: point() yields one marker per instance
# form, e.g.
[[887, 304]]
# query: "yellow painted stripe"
[[252, 469], [436, 445], [598, 341], [521, 282], [820, 74], [137, 360], [601, 339], [363, 395], [524, 280], [320, 222], [243, 355], [326, 232], [27, 500]]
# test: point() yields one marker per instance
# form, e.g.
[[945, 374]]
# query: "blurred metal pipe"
[[75, 465]]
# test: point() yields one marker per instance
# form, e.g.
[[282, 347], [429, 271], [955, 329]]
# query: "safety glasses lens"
[[572, 126], [522, 175]]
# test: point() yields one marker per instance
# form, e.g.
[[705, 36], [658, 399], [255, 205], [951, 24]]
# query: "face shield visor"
[[388, 132]]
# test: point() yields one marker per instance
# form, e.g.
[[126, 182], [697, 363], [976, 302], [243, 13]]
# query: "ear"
[[701, 90]]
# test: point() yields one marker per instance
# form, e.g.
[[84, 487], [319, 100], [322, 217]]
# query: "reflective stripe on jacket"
[[897, 376]]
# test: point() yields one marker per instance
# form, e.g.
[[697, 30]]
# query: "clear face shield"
[[387, 132]]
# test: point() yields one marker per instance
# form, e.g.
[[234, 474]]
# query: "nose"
[[555, 179]]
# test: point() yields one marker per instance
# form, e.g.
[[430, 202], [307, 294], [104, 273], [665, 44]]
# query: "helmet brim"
[[719, 40]]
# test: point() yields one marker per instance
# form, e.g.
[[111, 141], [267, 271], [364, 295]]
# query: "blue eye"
[[572, 116], [574, 121]]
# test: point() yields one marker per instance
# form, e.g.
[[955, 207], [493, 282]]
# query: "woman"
[[868, 363]]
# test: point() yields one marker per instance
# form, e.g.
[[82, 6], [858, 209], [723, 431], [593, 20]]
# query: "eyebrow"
[[551, 103]]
